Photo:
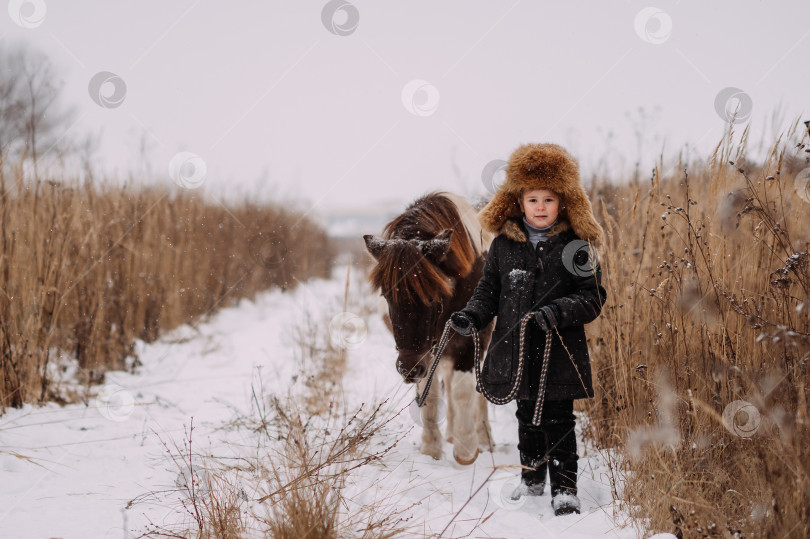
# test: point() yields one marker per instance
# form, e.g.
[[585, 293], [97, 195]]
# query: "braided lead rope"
[[420, 399], [541, 393], [513, 391]]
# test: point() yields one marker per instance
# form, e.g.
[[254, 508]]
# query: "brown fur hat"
[[541, 166]]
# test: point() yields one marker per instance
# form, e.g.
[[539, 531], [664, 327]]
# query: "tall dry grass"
[[294, 471], [293, 486], [89, 268], [708, 312]]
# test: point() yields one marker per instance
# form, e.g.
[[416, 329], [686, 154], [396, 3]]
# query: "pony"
[[427, 265]]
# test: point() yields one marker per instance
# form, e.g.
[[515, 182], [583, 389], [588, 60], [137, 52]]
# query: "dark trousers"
[[553, 444]]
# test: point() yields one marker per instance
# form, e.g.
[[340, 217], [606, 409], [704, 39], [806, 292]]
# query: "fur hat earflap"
[[541, 166]]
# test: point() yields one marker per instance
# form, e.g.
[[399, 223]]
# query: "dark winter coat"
[[519, 279]]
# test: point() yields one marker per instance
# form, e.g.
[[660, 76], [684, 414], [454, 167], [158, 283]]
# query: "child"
[[540, 263]]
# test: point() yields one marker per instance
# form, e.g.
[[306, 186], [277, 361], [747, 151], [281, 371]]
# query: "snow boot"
[[565, 502], [563, 475], [532, 482]]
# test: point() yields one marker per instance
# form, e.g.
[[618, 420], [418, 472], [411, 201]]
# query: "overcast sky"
[[295, 99]]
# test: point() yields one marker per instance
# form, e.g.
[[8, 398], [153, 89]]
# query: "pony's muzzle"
[[411, 365]]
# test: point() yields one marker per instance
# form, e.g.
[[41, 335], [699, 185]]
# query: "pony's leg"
[[431, 435], [465, 439], [446, 371], [482, 424]]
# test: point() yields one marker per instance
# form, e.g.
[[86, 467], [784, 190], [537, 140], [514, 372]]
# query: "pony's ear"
[[374, 245], [436, 249]]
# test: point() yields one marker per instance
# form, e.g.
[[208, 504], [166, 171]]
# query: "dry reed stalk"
[[208, 498], [293, 483], [295, 487], [708, 283], [87, 269]]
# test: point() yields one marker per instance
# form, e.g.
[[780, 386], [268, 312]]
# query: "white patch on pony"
[[482, 428], [481, 239], [463, 399], [431, 435], [446, 371]]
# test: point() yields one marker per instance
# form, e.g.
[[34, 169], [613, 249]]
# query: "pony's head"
[[411, 276], [421, 256]]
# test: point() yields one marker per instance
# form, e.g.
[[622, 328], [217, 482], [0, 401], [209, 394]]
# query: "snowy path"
[[70, 472]]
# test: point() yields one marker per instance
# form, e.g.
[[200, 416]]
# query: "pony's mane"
[[401, 268]]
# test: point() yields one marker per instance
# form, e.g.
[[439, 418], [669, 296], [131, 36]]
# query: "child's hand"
[[462, 323], [546, 318]]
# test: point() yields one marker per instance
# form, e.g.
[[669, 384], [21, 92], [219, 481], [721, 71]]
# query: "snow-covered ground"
[[98, 470]]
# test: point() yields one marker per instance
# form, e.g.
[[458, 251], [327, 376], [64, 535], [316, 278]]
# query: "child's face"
[[540, 206]]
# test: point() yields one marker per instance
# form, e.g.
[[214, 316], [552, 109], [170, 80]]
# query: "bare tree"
[[11, 103], [32, 122]]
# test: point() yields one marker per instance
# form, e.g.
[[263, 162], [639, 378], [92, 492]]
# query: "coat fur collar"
[[514, 229]]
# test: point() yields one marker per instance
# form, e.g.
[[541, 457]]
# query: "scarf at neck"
[[537, 235]]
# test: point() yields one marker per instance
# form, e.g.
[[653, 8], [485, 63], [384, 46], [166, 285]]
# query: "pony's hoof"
[[465, 462], [485, 443], [433, 452]]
